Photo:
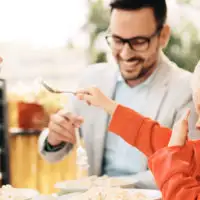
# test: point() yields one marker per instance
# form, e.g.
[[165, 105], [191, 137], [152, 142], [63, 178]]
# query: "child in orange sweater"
[[174, 161]]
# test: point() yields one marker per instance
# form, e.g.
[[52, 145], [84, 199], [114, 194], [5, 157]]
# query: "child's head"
[[196, 91]]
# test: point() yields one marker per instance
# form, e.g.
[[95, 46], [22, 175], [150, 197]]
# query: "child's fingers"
[[198, 124], [184, 128], [85, 97], [187, 115], [180, 131]]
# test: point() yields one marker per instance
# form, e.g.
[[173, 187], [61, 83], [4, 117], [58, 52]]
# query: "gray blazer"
[[170, 95]]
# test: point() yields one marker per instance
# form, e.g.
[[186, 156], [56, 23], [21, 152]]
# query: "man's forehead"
[[132, 22], [144, 15]]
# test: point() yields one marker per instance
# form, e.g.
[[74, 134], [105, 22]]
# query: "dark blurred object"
[[4, 145]]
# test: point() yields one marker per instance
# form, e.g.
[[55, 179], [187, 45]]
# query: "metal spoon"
[[53, 90]]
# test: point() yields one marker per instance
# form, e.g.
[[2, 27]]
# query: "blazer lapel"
[[108, 86], [158, 89]]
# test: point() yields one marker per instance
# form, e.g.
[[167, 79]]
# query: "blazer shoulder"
[[180, 78], [180, 85]]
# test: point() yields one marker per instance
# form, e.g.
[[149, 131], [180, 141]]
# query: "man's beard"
[[147, 68], [143, 72]]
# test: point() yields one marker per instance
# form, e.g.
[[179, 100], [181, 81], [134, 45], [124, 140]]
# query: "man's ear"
[[164, 36]]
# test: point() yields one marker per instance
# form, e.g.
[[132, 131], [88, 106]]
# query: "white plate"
[[152, 194], [68, 196], [25, 192], [72, 186], [83, 185], [44, 197], [28, 193]]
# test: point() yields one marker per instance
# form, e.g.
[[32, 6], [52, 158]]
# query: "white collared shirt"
[[121, 159]]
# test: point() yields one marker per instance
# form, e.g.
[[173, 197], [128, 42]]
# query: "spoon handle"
[[78, 139]]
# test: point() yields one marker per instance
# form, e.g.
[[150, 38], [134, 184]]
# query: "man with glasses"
[[145, 80]]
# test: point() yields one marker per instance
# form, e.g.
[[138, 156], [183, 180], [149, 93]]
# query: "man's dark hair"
[[159, 7]]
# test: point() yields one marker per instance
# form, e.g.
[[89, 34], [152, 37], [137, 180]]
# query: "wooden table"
[[28, 169]]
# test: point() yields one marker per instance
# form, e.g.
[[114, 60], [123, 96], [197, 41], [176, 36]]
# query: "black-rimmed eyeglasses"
[[139, 43]]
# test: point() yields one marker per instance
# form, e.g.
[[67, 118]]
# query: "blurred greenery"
[[98, 21], [183, 47]]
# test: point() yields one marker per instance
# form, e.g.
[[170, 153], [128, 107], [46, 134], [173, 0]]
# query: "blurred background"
[[56, 40], [43, 38]]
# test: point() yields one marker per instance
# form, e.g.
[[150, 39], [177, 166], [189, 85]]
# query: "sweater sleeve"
[[143, 133], [175, 171]]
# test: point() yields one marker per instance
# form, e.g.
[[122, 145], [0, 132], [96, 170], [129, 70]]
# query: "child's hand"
[[196, 99], [195, 83], [180, 131], [94, 96]]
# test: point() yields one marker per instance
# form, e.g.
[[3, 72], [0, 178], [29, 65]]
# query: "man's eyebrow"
[[136, 37], [115, 35]]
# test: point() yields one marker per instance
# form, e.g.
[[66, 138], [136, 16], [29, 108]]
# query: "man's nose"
[[126, 52]]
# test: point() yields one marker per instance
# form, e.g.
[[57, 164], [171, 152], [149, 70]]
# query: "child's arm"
[[143, 133], [175, 171], [177, 168]]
